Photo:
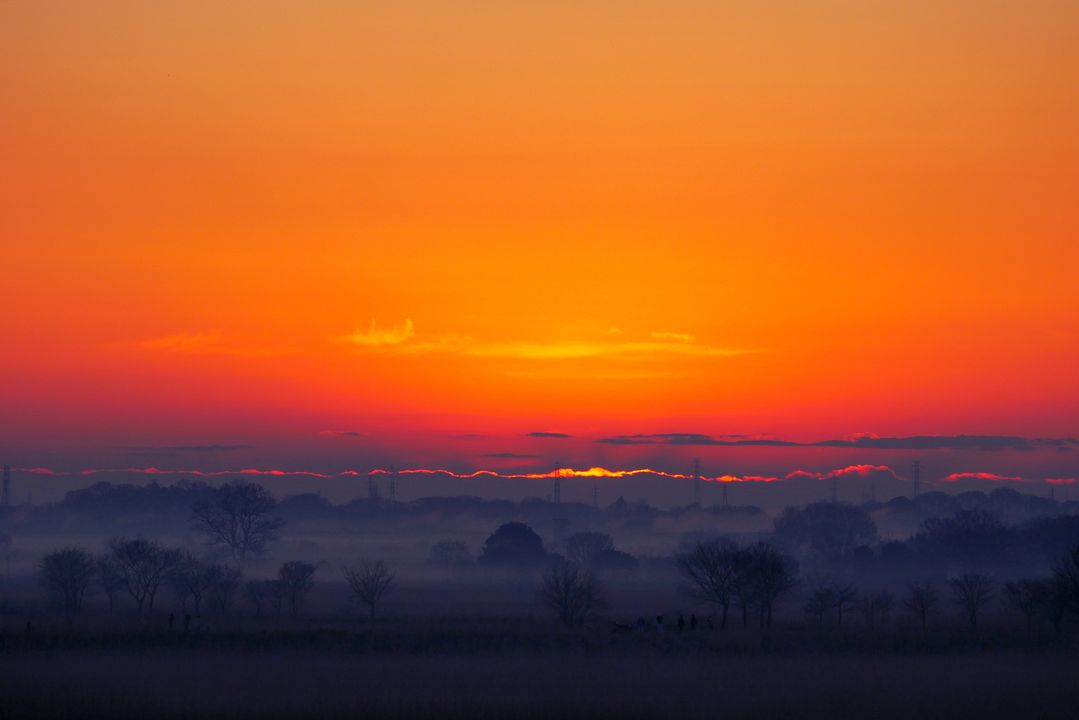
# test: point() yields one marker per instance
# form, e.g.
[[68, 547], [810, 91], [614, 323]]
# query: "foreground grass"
[[166, 683]]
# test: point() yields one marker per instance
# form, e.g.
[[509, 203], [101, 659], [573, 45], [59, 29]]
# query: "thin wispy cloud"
[[866, 442], [405, 339]]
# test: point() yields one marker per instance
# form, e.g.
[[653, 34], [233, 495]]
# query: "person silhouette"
[[659, 623], [681, 623], [641, 624]]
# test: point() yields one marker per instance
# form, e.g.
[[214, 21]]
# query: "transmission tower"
[[5, 495], [393, 484], [916, 477], [557, 497]]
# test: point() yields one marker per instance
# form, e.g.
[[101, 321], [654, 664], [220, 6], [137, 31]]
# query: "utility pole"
[[557, 497], [725, 486], [393, 484], [697, 482], [595, 496], [372, 487]]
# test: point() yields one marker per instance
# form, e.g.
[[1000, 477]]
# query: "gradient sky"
[[340, 233]]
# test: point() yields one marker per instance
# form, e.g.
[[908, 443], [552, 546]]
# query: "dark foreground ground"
[[180, 682]]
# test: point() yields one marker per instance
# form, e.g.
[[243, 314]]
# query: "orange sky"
[[258, 221]]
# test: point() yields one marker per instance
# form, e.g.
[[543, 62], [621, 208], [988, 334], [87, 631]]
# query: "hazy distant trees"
[[572, 593], [877, 607], [264, 594], [451, 554], [143, 565], [828, 530], [295, 579], [109, 578], [596, 551], [972, 591], [513, 545], [205, 583], [827, 597], [1024, 596], [710, 571], [970, 538], [66, 574], [240, 516], [920, 601], [368, 582]]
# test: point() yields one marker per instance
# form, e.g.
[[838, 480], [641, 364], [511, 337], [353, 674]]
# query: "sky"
[[331, 236]]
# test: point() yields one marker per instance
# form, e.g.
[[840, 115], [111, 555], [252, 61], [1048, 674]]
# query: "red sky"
[[250, 224]]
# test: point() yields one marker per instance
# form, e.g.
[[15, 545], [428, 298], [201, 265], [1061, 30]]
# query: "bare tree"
[[877, 607], [109, 578], [191, 579], [972, 592], [573, 594], [1024, 596], [710, 572], [820, 602], [263, 594], [66, 574], [295, 579], [221, 587], [368, 582], [920, 601], [767, 575], [143, 565], [844, 594], [584, 549], [239, 517]]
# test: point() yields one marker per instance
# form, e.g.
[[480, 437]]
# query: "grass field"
[[177, 682]]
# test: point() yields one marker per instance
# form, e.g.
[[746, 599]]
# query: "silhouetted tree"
[[877, 607], [240, 517], [262, 594], [920, 601], [972, 592], [222, 583], [1066, 576], [296, 578], [1024, 596], [820, 601], [513, 545], [452, 554], [109, 578], [66, 574], [143, 565], [970, 537], [584, 549], [768, 575], [190, 579], [573, 594], [368, 582], [710, 573], [828, 530]]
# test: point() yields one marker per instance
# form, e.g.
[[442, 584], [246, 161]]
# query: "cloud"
[[861, 441], [376, 337], [674, 336], [340, 433], [511, 456], [956, 477], [404, 339], [549, 435]]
